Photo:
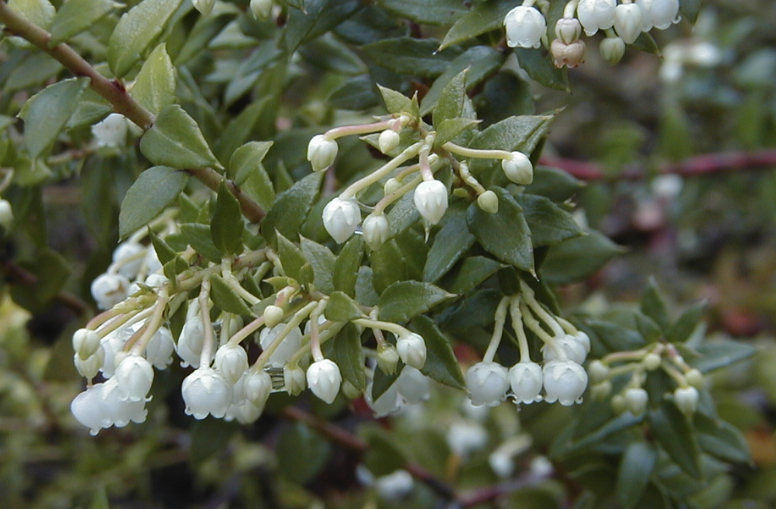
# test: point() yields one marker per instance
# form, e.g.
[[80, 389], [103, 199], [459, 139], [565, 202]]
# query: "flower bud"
[[564, 348], [596, 14], [119, 409], [257, 386], [261, 9], [391, 185], [129, 256], [412, 350], [232, 362], [568, 30], [112, 131], [651, 361], [583, 339], [109, 289], [324, 379], [570, 55], [598, 371], [341, 218], [413, 385], [204, 6], [487, 383], [488, 202], [431, 200], [6, 215], [388, 140], [294, 379], [321, 152], [525, 378], [695, 378], [628, 22], [387, 357], [618, 404], [686, 398], [525, 27], [273, 315], [206, 392], [160, 348], [135, 375], [564, 381], [636, 400], [612, 49], [190, 342], [601, 390], [86, 342], [376, 230], [155, 280], [90, 366], [518, 168]]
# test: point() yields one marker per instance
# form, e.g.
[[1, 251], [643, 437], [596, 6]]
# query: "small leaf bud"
[[518, 168], [321, 152], [388, 140], [488, 202], [431, 200]]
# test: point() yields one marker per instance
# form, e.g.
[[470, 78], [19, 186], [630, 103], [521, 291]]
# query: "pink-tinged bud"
[[525, 27], [487, 383], [321, 152], [341, 218], [431, 200], [570, 55], [324, 379]]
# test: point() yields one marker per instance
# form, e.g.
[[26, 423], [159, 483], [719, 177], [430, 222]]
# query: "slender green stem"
[[377, 324], [153, 324], [297, 319], [476, 153], [394, 196], [498, 330], [348, 130], [407, 153], [517, 325], [204, 313]]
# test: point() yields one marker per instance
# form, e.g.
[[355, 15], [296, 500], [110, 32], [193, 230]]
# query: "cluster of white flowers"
[[561, 374], [622, 22], [342, 215], [134, 264]]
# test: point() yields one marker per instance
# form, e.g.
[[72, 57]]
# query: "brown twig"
[[722, 162], [114, 92]]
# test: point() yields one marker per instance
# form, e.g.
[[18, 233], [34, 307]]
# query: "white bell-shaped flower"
[[487, 383], [518, 168], [413, 385], [160, 348], [191, 341], [245, 413], [89, 409], [431, 200], [596, 14], [566, 347], [321, 152], [636, 400], [130, 257], [90, 366], [661, 14], [466, 437], [525, 27], [388, 140], [109, 289], [341, 218], [412, 350], [686, 398], [119, 408], [564, 381], [583, 339], [324, 379], [6, 215], [386, 403], [232, 362], [628, 20], [135, 375], [376, 230], [257, 386], [294, 379], [206, 392], [112, 131], [525, 378], [288, 346], [86, 342]]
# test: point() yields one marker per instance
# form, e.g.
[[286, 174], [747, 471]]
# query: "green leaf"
[[404, 299], [91, 109], [653, 305], [549, 224], [396, 102], [291, 208], [365, 290], [75, 16], [175, 140], [721, 353], [450, 243], [426, 12], [441, 363], [199, 238], [521, 133], [686, 324], [247, 160], [154, 86], [504, 234], [540, 68], [347, 265], [135, 33], [347, 353], [452, 127], [227, 299], [473, 271], [481, 62], [615, 338], [555, 184], [407, 55], [484, 17], [395, 261], [38, 12], [342, 308], [322, 261], [302, 453], [253, 122], [46, 114], [578, 259], [690, 9], [451, 99], [100, 499], [293, 260], [316, 18], [210, 436], [153, 191], [721, 439], [673, 431], [226, 227], [636, 466], [565, 444]]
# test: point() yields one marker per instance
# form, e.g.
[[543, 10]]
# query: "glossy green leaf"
[[426, 12], [451, 100], [226, 226], [614, 337], [671, 428], [653, 305], [549, 224], [225, 298], [46, 114], [405, 299], [636, 466], [247, 160], [155, 84], [555, 184], [75, 16], [291, 208], [450, 243], [521, 133], [540, 68], [473, 271], [199, 238], [302, 453], [92, 108], [153, 191], [721, 353], [504, 234], [578, 259], [314, 19], [38, 12], [414, 57], [342, 308], [721, 439], [686, 324], [346, 351], [175, 140], [483, 17], [396, 102], [347, 265], [441, 363], [253, 122], [134, 34], [292, 259], [322, 261]]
